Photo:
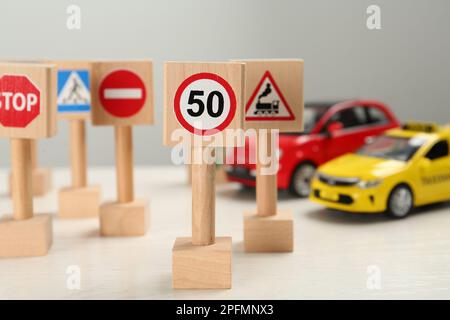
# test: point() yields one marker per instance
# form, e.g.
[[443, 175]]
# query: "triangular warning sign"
[[74, 91], [267, 102]]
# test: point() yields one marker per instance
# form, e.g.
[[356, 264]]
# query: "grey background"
[[405, 64]]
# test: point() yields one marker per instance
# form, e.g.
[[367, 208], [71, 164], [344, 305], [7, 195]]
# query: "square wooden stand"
[[26, 238], [201, 267], [269, 234], [124, 219], [41, 181], [79, 202]]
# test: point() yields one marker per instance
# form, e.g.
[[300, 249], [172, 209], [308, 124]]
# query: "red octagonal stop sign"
[[19, 101]]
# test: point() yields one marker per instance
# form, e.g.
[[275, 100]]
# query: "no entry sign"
[[19, 101], [122, 93], [205, 104]]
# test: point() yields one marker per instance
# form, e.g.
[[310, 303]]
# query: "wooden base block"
[[201, 267], [42, 181], [124, 219], [79, 202], [269, 234], [26, 238]]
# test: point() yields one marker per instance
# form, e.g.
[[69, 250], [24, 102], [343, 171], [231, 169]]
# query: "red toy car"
[[330, 130]]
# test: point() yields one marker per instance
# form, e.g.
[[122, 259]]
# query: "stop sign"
[[19, 101]]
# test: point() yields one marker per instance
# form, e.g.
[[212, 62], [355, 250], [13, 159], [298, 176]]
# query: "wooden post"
[[78, 153], [280, 83], [80, 200], [124, 163], [33, 154], [202, 261], [266, 185], [127, 216], [21, 162], [203, 202]]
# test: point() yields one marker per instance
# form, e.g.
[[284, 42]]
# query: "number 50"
[[209, 103]]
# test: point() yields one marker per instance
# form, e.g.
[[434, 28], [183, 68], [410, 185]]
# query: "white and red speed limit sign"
[[205, 104]]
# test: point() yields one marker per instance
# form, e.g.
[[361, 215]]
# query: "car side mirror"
[[334, 127]]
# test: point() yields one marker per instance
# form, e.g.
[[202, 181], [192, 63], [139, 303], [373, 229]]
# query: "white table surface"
[[332, 249]]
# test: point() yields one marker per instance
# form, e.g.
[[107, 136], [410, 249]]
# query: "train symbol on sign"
[[266, 107], [267, 103]]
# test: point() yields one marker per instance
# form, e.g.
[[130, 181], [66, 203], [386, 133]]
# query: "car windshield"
[[391, 147], [312, 113]]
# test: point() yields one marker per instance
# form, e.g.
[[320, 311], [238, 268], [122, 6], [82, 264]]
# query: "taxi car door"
[[435, 172]]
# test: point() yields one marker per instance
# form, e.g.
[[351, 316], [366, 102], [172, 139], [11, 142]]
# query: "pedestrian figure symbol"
[[73, 91], [75, 95]]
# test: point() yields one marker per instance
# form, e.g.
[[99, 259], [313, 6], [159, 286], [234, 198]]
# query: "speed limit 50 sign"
[[203, 100]]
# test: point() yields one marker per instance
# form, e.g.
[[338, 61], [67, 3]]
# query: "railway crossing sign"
[[274, 94], [122, 93], [267, 102], [203, 100], [27, 100]]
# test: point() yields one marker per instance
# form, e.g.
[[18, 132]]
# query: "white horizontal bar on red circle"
[[120, 93]]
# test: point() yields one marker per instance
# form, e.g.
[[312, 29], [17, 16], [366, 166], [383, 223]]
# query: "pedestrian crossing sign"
[[74, 95]]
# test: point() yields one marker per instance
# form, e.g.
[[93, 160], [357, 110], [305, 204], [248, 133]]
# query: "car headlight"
[[366, 184]]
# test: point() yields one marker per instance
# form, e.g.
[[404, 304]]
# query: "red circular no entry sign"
[[122, 93]]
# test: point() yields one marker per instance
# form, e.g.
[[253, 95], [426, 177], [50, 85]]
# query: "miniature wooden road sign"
[[202, 100], [274, 93], [122, 96], [124, 90], [74, 90], [42, 177], [267, 103], [27, 112], [74, 104], [204, 104]]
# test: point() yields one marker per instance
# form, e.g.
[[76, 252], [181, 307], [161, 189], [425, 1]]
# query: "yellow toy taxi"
[[391, 173]]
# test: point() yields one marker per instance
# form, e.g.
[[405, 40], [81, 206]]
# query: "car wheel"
[[400, 202], [301, 180]]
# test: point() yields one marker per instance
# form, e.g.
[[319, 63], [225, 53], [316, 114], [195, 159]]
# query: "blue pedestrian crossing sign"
[[74, 94]]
